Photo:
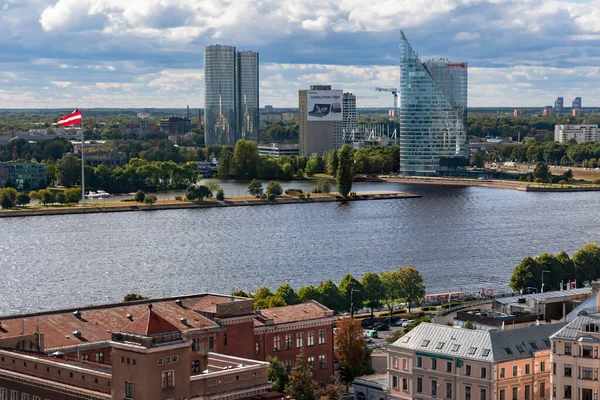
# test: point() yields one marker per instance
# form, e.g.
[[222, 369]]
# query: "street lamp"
[[352, 302], [543, 272]]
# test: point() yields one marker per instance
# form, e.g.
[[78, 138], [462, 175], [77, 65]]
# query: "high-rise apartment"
[[559, 105], [433, 101], [320, 119], [230, 95], [577, 103]]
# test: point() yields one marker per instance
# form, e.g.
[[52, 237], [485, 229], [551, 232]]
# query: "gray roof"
[[573, 330], [589, 306], [486, 346], [545, 296]]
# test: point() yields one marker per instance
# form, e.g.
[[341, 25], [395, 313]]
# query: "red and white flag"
[[72, 119]]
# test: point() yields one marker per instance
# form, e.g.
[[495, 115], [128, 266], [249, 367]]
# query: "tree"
[[477, 160], [5, 200], [212, 186], [567, 267], [329, 295], [133, 297], [587, 263], [286, 292], [332, 391], [241, 293], [263, 293], [525, 275], [349, 346], [194, 192], [552, 275], [332, 162], [322, 186], [301, 385], [373, 291], [469, 325], [68, 170], [542, 172], [246, 159], [277, 374], [352, 293], [312, 165], [61, 198], [306, 293], [139, 196], [22, 199], [220, 194], [411, 284], [73, 195], [274, 188], [46, 196], [150, 199], [255, 188], [344, 173], [392, 289]]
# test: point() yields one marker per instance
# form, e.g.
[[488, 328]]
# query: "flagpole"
[[82, 163]]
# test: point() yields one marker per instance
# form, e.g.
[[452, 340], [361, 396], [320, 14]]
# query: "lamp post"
[[352, 302], [543, 272]]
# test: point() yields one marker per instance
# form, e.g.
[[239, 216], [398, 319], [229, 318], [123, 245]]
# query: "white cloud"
[[61, 84]]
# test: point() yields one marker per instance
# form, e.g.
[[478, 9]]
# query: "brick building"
[[200, 331]]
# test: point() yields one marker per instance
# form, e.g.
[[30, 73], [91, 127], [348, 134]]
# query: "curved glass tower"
[[433, 104]]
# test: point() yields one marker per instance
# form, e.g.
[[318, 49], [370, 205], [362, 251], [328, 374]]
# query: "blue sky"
[[149, 53]]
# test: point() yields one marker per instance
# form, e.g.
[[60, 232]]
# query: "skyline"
[[105, 53]]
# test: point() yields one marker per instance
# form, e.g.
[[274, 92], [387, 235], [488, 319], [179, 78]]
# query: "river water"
[[458, 237]]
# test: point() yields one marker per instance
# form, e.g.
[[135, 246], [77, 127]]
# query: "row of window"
[[211, 343], [527, 394], [585, 394], [483, 370], [584, 351], [299, 340], [14, 395], [587, 373], [35, 367], [449, 367], [515, 370], [99, 357], [161, 361]]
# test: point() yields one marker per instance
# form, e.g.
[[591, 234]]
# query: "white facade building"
[[581, 133]]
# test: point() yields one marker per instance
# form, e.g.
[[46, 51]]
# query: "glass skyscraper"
[[230, 95], [433, 114]]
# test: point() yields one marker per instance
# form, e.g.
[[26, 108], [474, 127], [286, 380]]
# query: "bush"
[[538, 180], [274, 188], [61, 198], [73, 195], [179, 198], [293, 191], [562, 182], [139, 196], [323, 186], [46, 196], [22, 199], [271, 197], [133, 297], [220, 194], [301, 196], [596, 181], [308, 195], [150, 199]]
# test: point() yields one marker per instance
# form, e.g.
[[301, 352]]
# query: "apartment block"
[[579, 133]]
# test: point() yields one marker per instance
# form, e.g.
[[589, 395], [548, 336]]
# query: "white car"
[[407, 323]]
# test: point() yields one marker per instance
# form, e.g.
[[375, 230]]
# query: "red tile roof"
[[299, 312], [208, 304], [150, 323], [96, 323]]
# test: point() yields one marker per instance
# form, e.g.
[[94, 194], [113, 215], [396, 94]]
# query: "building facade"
[[139, 129], [350, 116], [442, 362], [231, 95], [317, 136], [23, 176], [175, 125], [580, 133], [277, 150], [433, 98], [577, 103], [559, 105]]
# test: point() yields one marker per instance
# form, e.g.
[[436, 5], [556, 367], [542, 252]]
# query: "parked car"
[[381, 327], [407, 323], [373, 334], [399, 322], [367, 322]]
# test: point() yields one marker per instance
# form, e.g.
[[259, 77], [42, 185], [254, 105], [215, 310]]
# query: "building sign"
[[462, 65], [324, 105]]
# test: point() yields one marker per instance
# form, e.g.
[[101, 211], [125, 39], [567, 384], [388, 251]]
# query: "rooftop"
[[577, 329], [542, 297], [150, 324], [299, 312]]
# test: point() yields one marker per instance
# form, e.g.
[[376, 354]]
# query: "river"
[[458, 237]]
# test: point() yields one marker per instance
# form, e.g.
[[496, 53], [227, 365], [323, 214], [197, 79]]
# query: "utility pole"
[[352, 302], [543, 272]]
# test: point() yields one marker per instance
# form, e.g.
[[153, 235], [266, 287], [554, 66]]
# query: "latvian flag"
[[72, 119]]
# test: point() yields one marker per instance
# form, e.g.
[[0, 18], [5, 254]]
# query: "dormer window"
[[592, 328]]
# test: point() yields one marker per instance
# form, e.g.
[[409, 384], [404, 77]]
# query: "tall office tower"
[[320, 119], [230, 95], [247, 84], [433, 101], [577, 103], [349, 112], [558, 105]]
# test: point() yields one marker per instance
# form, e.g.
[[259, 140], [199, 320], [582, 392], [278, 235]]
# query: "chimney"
[[15, 153]]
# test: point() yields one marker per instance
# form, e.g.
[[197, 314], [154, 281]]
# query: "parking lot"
[[382, 334]]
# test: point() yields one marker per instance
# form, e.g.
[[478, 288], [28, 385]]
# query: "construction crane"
[[393, 91]]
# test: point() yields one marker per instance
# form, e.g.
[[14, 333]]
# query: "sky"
[[150, 53]]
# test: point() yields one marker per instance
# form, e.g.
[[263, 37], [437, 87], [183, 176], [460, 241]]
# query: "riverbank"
[[108, 207]]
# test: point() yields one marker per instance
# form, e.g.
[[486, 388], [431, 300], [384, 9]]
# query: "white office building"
[[581, 133]]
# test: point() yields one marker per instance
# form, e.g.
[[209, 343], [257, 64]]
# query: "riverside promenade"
[[111, 207]]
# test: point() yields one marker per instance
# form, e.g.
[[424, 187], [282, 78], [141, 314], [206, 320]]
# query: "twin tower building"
[[230, 95]]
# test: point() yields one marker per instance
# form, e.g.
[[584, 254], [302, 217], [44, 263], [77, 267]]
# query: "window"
[[502, 394], [440, 345], [322, 362], [502, 373], [588, 351], [36, 398], [224, 340], [587, 394], [419, 362], [482, 394], [86, 357], [567, 348], [14, 395], [467, 392], [587, 373], [167, 360], [288, 342], [508, 350], [175, 359], [448, 366], [554, 347], [99, 358], [311, 362], [472, 350], [289, 364], [527, 369], [129, 390], [311, 338], [394, 381], [419, 385], [448, 390], [543, 366], [484, 372], [3, 394], [485, 352], [276, 343], [534, 345], [195, 366], [515, 393], [129, 360], [195, 344], [527, 392], [425, 343], [553, 368], [567, 392], [467, 370], [547, 342], [455, 347], [405, 384], [433, 387], [542, 389], [520, 348], [568, 370], [257, 347], [322, 336], [515, 371], [168, 379], [433, 363], [211, 341], [24, 396], [299, 340], [160, 361]]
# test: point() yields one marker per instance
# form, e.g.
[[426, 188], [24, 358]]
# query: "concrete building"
[[139, 129], [231, 95], [175, 125], [349, 116], [23, 176], [100, 152], [442, 362], [317, 136], [200, 325], [558, 105], [577, 103], [548, 111], [277, 150], [371, 387], [581, 133]]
